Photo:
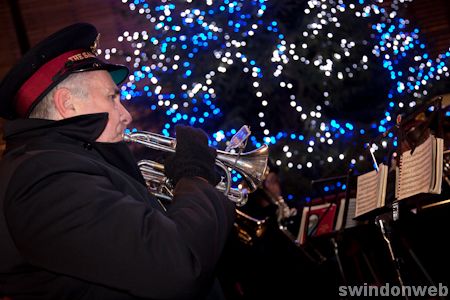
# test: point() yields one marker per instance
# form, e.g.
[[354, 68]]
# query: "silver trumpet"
[[251, 165]]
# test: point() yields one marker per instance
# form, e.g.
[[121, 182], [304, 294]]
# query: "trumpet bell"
[[251, 165]]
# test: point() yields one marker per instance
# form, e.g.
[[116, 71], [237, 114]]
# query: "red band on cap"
[[43, 78]]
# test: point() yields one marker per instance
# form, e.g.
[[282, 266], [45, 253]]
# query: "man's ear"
[[64, 105]]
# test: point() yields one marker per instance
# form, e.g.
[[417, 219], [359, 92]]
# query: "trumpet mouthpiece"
[[126, 137]]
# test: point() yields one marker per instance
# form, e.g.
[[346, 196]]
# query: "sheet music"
[[349, 222], [371, 190], [421, 172], [439, 163], [340, 215]]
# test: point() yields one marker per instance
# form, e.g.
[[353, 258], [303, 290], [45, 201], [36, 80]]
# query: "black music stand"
[[411, 132]]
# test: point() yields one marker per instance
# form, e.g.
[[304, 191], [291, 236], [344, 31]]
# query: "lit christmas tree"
[[314, 79]]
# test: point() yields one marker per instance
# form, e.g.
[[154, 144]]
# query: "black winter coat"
[[77, 222]]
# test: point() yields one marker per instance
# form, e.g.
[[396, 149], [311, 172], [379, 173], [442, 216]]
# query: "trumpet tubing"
[[157, 181]]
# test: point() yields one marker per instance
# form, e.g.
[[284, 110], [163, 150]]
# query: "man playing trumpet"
[[76, 219]]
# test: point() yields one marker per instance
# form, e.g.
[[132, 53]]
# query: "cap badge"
[[95, 45]]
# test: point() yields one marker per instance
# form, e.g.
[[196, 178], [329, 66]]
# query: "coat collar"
[[83, 127]]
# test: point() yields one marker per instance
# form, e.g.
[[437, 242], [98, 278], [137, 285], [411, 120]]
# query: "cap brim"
[[118, 73]]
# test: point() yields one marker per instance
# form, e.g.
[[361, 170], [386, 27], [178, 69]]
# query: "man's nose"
[[125, 115]]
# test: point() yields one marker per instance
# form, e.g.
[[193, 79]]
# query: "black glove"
[[193, 156]]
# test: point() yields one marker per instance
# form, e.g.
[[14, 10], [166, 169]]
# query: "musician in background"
[[76, 219], [267, 201]]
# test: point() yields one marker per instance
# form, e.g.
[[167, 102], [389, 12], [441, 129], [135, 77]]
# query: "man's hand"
[[193, 156]]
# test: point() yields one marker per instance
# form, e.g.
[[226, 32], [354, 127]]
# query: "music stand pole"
[[338, 260], [395, 260]]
